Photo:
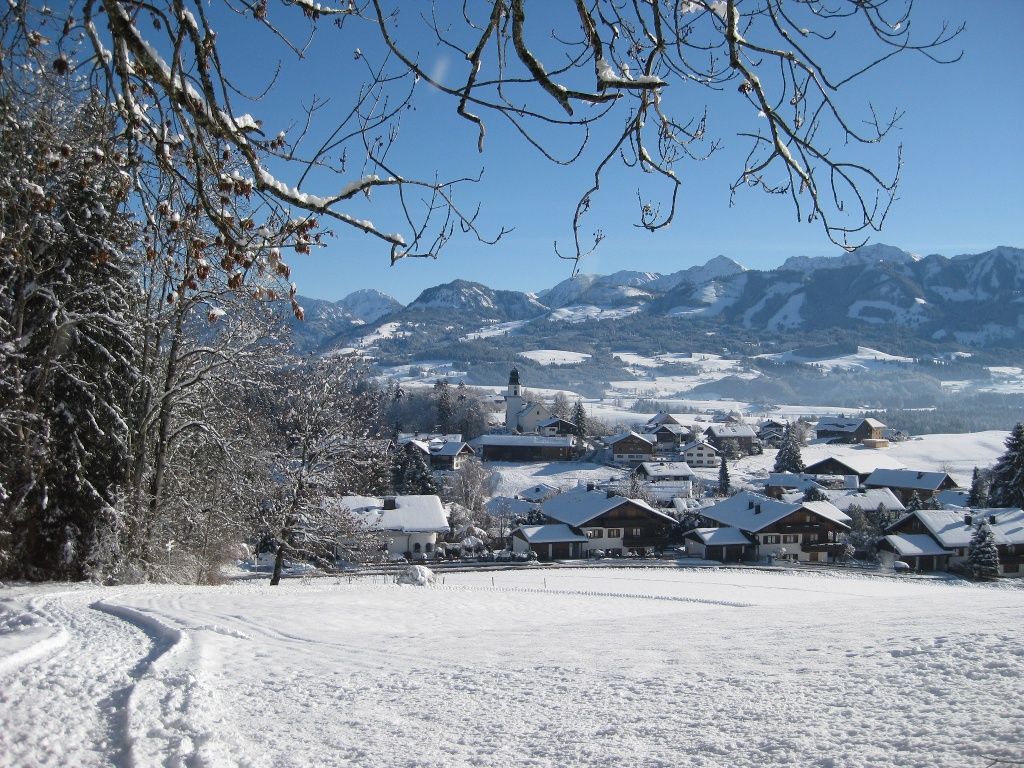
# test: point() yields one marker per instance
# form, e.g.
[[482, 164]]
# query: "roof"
[[579, 506], [666, 468], [415, 513], [538, 493], [949, 527], [698, 444], [505, 504], [914, 544], [555, 420], [860, 461], [675, 429], [613, 439], [720, 537], [662, 417], [792, 480], [753, 512], [555, 441], [731, 430], [908, 478], [844, 423], [874, 423], [553, 533], [405, 437], [869, 498], [449, 449]]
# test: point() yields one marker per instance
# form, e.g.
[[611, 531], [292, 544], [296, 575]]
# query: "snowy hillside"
[[369, 305], [595, 666]]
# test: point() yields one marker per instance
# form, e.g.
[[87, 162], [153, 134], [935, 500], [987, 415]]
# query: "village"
[[662, 492]]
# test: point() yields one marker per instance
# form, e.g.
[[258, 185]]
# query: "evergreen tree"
[[788, 458], [978, 497], [1006, 488], [914, 503], [982, 555], [814, 493], [723, 477], [412, 476], [579, 418], [444, 405]]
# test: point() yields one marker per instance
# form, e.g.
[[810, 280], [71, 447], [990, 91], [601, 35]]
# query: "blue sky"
[[960, 192]]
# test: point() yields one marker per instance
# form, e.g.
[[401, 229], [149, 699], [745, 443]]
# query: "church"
[[522, 415]]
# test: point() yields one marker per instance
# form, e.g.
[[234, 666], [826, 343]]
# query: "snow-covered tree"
[[634, 487], [788, 458], [444, 406], [978, 497], [1006, 488], [814, 493], [914, 503], [561, 407], [410, 473], [982, 555], [67, 359], [724, 487], [469, 485], [580, 419]]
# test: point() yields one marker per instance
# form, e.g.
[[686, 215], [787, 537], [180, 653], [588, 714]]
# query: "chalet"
[[662, 417], [527, 448], [844, 429], [740, 436], [771, 432], [410, 523], [668, 437], [857, 462], [726, 545], [630, 448], [553, 541], [664, 471], [804, 531], [555, 426], [522, 415], [906, 482], [611, 523], [700, 454], [440, 454], [934, 539]]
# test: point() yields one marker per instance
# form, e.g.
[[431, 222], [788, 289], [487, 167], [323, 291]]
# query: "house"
[[668, 437], [527, 447], [846, 429], [555, 426], [857, 462], [440, 454], [727, 545], [630, 448], [934, 539], [770, 432], [700, 454], [612, 523], [804, 531], [662, 417], [781, 483], [664, 471], [740, 436], [553, 541], [410, 523], [538, 493], [906, 482], [867, 498], [522, 415]]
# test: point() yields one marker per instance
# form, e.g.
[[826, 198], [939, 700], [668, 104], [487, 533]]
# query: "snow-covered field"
[[660, 666], [555, 356]]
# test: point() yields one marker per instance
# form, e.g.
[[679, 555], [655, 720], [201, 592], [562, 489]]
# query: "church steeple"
[[515, 389]]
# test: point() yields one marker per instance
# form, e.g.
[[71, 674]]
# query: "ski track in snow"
[[545, 667]]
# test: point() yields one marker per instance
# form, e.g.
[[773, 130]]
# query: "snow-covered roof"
[[950, 527], [675, 429], [538, 493], [955, 497], [552, 533], [507, 505], [861, 462], [907, 478], [449, 449], [792, 480], [555, 441], [426, 437], [752, 511], [656, 469], [839, 423], [869, 498], [915, 544], [579, 506], [414, 513], [874, 423], [698, 444], [720, 537], [613, 439], [555, 420], [731, 430]]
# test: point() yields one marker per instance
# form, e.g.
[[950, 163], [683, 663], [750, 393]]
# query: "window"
[[790, 538], [614, 533], [636, 531], [769, 539], [429, 547], [812, 537], [593, 533], [416, 547]]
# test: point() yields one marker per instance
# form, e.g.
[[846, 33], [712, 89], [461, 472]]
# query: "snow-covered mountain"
[[369, 304], [466, 299], [618, 289]]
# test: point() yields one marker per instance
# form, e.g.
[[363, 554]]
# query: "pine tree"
[[445, 406], [978, 498], [788, 458], [914, 503], [579, 418], [723, 478], [982, 555], [412, 476], [1006, 488]]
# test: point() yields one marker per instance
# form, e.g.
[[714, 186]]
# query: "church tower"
[[513, 401]]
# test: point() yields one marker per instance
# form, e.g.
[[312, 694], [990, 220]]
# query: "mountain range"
[[973, 300]]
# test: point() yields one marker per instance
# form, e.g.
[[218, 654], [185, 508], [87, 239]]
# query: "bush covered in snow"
[[417, 576]]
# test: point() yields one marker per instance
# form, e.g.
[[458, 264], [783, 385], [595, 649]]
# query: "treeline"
[[956, 415]]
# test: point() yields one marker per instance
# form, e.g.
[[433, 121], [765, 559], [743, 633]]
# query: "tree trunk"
[[278, 563]]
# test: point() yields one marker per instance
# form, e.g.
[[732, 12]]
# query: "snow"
[[555, 356], [583, 312], [865, 358], [712, 667]]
